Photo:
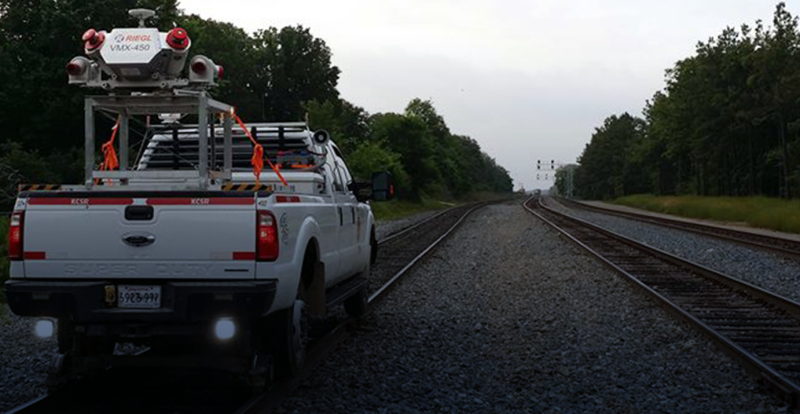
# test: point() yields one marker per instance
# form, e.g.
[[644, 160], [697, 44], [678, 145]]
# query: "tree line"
[[726, 124], [271, 75]]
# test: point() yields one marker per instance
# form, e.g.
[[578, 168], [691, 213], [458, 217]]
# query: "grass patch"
[[768, 213], [397, 209]]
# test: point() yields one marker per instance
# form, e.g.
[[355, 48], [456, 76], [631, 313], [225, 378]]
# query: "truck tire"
[[291, 327], [288, 347]]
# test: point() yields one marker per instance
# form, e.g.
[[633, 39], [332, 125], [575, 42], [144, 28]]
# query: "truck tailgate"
[[136, 237]]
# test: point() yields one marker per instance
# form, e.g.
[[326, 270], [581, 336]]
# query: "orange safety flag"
[[110, 160], [258, 155]]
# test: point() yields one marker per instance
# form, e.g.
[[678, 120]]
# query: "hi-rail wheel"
[[292, 327], [357, 305]]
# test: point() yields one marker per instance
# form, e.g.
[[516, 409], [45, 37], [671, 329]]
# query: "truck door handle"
[[139, 213], [341, 217]]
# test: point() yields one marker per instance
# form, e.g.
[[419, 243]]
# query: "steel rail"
[[414, 226], [758, 329], [779, 245], [280, 391]]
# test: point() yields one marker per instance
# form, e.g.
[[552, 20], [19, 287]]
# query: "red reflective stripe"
[[185, 201], [68, 201], [34, 255], [111, 201], [287, 199], [244, 255]]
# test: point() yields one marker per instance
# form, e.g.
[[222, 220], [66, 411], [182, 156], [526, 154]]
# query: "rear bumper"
[[181, 302]]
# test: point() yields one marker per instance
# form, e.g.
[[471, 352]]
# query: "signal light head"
[[178, 38]]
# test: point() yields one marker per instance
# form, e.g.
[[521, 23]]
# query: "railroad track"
[[782, 246], [201, 392], [757, 328]]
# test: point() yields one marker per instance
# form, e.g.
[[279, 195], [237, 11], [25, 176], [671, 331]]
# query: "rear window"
[[177, 149]]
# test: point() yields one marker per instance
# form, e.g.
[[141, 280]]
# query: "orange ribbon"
[[258, 155], [110, 160]]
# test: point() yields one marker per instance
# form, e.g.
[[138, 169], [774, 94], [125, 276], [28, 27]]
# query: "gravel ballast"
[[384, 229], [25, 358], [770, 271], [508, 316]]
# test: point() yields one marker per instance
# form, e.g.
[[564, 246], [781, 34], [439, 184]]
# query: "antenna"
[[142, 15]]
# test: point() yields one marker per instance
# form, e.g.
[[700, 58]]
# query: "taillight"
[[267, 247], [177, 38], [15, 235]]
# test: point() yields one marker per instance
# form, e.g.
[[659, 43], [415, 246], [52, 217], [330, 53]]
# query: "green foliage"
[[562, 183], [343, 120], [397, 209], [609, 165], [37, 39], [233, 49], [417, 147], [764, 212], [272, 74], [292, 67], [371, 157], [727, 123]]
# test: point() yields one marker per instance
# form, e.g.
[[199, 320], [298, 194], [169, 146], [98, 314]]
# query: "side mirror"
[[361, 189], [382, 186]]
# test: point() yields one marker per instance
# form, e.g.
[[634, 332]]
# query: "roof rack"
[[184, 102]]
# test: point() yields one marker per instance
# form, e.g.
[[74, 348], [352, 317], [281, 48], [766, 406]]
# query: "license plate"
[[142, 297]]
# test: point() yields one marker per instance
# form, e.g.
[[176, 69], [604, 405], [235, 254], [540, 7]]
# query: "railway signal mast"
[[547, 172]]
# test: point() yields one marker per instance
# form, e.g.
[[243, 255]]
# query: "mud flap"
[[316, 292]]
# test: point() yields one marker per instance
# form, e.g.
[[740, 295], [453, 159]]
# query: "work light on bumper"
[[224, 329], [44, 328]]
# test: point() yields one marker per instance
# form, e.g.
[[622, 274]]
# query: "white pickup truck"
[[242, 261], [188, 251]]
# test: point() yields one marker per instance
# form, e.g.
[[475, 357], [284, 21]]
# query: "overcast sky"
[[527, 79]]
